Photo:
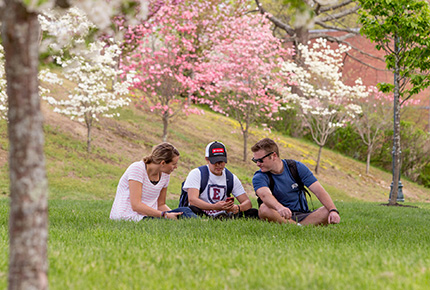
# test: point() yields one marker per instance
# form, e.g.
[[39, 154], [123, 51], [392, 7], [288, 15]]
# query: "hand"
[[172, 215], [284, 212], [224, 205], [333, 217]]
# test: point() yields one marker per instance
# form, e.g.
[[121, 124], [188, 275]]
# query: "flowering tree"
[[164, 51], [98, 91], [163, 61], [240, 75], [326, 100], [28, 223]]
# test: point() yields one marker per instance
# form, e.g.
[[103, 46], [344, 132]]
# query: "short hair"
[[162, 152], [267, 145]]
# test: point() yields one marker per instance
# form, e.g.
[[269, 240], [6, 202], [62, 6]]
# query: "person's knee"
[[263, 212]]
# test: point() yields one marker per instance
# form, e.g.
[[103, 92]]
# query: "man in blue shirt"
[[287, 203]]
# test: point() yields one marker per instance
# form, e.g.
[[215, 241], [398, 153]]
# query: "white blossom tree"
[[28, 223], [325, 103], [98, 90]]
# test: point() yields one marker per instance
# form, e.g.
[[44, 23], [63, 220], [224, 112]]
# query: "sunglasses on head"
[[261, 159]]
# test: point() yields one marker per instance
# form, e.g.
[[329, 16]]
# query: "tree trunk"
[[318, 159], [369, 153], [245, 144], [89, 123], [165, 126], [28, 223], [396, 132]]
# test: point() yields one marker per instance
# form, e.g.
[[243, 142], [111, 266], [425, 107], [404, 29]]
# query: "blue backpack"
[[204, 174]]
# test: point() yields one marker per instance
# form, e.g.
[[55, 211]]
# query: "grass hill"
[[75, 174]]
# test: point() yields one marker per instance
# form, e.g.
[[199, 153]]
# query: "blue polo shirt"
[[286, 189]]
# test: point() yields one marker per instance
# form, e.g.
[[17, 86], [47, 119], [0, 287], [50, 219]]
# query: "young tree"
[[163, 63], [400, 28], [373, 120], [164, 51], [240, 75], [325, 101]]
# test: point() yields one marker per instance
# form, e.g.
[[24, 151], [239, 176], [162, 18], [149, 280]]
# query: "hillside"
[[74, 174]]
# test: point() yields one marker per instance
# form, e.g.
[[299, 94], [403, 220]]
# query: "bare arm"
[[326, 201], [270, 201], [162, 200], [193, 199], [138, 206]]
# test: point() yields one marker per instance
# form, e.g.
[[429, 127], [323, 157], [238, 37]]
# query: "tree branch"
[[336, 6], [339, 15], [275, 20]]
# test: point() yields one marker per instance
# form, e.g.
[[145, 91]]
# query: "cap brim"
[[216, 159]]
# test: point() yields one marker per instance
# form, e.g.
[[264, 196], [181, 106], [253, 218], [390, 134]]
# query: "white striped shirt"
[[121, 208]]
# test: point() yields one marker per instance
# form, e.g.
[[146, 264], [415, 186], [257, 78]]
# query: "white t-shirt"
[[216, 190], [121, 208]]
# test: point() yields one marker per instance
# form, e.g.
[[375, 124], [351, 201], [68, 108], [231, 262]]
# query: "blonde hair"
[[162, 152], [267, 145]]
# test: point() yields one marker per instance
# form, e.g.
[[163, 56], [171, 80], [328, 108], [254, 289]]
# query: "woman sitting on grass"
[[142, 189]]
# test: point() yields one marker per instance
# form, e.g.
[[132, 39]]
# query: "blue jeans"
[[186, 212]]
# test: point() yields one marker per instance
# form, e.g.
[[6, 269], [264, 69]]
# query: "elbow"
[[134, 206], [192, 201]]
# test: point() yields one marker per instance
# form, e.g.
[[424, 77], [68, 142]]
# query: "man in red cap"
[[212, 197]]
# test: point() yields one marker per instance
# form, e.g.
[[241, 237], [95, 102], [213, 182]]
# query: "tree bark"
[[89, 123], [318, 159], [396, 130], [245, 143], [165, 126], [369, 153], [28, 223]]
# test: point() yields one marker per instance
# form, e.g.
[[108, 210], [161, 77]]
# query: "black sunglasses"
[[261, 159]]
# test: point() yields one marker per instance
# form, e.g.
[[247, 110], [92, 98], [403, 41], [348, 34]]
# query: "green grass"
[[374, 247]]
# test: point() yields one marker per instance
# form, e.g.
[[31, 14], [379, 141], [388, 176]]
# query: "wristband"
[[333, 210], [163, 214], [238, 207]]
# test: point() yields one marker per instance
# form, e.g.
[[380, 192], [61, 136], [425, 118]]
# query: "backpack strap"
[[230, 180], [204, 178], [292, 165]]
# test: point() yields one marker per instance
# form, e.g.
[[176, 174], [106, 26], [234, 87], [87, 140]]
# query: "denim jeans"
[[186, 212]]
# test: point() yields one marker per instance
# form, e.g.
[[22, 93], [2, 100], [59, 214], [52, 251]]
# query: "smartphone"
[[229, 199]]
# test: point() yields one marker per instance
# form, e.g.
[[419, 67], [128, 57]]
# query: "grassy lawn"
[[374, 247]]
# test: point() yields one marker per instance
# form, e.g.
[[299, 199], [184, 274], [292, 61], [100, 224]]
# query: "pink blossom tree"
[[164, 51], [240, 75], [163, 63]]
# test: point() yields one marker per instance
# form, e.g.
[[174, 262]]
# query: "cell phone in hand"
[[229, 199]]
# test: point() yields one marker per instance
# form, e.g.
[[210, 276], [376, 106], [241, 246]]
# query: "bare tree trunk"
[[165, 126], [245, 143], [28, 223], [318, 159], [369, 153], [396, 132], [89, 123]]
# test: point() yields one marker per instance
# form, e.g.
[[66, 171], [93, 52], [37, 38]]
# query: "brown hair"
[[267, 145], [162, 152]]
